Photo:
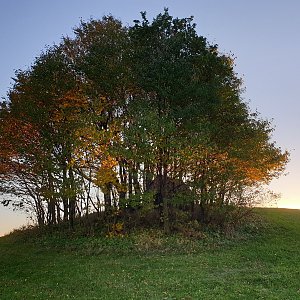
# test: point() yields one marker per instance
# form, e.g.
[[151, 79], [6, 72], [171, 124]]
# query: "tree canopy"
[[142, 119]]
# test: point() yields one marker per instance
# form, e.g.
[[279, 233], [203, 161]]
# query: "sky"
[[263, 35]]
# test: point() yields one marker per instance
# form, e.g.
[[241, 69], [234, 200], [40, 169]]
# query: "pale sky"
[[262, 34]]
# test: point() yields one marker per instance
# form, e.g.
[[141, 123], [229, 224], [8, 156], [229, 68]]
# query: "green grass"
[[264, 266]]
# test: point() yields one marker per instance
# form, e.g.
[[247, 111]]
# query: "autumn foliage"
[[146, 120]]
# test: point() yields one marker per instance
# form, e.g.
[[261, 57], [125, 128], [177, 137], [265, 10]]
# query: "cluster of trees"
[[116, 119]]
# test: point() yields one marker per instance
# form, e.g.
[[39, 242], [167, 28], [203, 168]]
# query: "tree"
[[193, 96], [132, 111]]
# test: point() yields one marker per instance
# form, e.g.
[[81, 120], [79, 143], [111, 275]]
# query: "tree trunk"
[[64, 195], [40, 213], [72, 199], [130, 183], [136, 184], [122, 194], [107, 197], [162, 195], [165, 202], [51, 201], [148, 177]]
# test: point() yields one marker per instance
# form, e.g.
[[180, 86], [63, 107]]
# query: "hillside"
[[260, 265]]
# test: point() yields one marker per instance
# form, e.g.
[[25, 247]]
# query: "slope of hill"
[[266, 265]]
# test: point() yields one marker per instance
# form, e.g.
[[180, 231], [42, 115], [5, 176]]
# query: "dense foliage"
[[142, 123]]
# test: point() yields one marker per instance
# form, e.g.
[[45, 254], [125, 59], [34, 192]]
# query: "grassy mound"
[[148, 265]]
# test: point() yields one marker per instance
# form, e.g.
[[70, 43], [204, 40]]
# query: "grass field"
[[263, 266]]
